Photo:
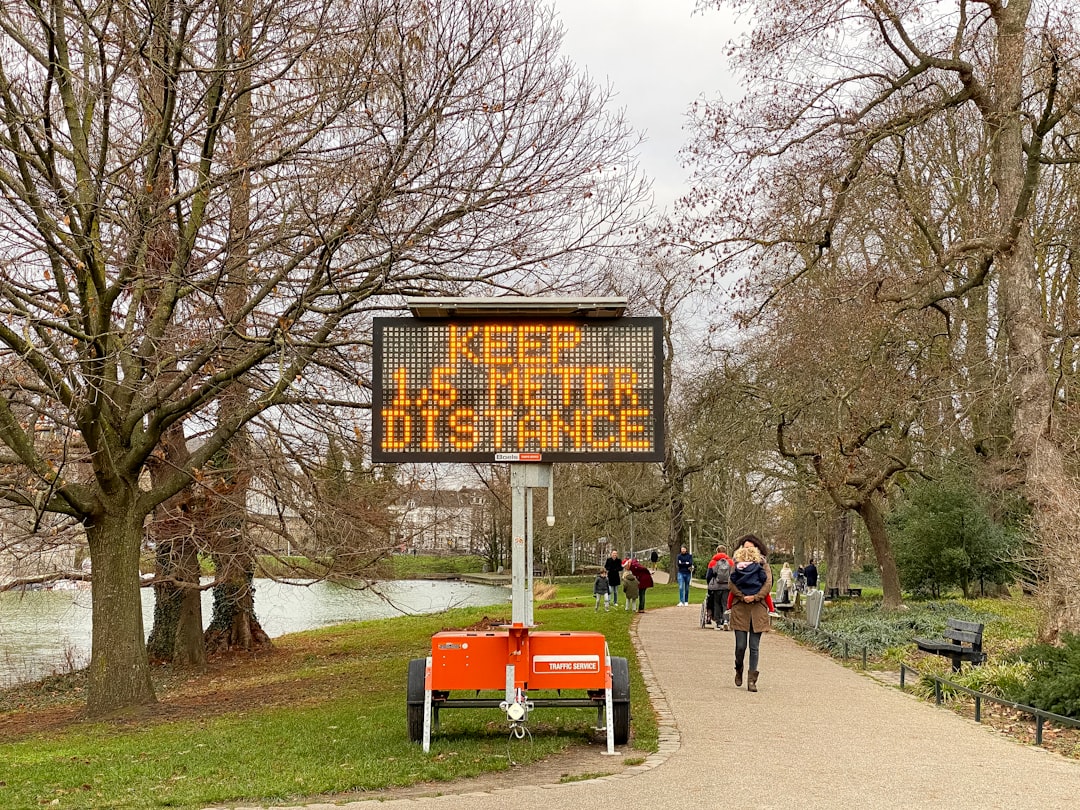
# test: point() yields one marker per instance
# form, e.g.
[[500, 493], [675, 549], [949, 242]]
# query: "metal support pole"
[[524, 478], [529, 556], [518, 584], [427, 707], [609, 713]]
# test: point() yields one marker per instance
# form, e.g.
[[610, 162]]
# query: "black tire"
[[414, 699], [704, 611], [620, 700]]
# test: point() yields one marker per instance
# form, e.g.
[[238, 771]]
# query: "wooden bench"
[[834, 593], [785, 608], [962, 641], [785, 599]]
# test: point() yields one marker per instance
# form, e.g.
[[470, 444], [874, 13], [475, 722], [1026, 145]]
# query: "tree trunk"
[[177, 634], [1040, 460], [119, 675], [890, 578], [234, 625], [677, 522], [838, 552]]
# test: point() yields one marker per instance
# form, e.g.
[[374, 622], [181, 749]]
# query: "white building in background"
[[273, 525], [442, 521]]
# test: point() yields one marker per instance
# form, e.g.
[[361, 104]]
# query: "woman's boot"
[[751, 685], [738, 674]]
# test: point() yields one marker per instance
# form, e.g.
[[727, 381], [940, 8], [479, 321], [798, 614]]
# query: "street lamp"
[[690, 531]]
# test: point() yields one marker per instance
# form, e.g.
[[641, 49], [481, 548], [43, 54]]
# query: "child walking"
[[630, 588], [600, 588]]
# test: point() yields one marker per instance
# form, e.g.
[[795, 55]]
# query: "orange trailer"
[[518, 662]]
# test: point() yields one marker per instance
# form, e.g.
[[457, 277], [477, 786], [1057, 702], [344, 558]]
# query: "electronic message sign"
[[536, 389]]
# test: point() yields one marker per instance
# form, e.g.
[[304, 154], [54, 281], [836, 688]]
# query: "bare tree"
[[848, 111], [395, 147]]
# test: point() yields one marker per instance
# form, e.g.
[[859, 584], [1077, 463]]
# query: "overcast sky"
[[659, 56]]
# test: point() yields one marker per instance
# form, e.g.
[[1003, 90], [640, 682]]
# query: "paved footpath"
[[816, 735]]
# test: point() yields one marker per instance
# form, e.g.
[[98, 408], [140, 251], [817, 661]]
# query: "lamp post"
[[690, 531]]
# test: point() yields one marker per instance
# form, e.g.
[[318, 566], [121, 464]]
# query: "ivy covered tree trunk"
[[233, 623], [177, 634], [119, 674]]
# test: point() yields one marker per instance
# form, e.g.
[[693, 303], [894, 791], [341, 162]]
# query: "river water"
[[42, 632]]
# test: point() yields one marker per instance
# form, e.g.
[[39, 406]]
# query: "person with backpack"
[[717, 582]]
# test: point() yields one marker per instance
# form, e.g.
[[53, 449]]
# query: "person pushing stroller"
[[717, 580]]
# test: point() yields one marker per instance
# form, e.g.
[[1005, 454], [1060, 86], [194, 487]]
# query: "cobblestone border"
[[668, 737]]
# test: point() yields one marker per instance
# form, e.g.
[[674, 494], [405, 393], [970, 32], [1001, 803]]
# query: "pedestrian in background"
[[613, 566], [786, 591], [644, 581], [684, 565], [717, 579], [630, 589], [600, 591]]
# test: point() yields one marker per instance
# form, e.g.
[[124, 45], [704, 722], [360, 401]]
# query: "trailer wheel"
[[414, 699], [620, 700]]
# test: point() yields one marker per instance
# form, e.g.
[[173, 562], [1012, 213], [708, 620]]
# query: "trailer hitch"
[[517, 713]]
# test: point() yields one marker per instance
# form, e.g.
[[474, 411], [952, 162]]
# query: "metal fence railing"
[[1040, 716], [841, 644]]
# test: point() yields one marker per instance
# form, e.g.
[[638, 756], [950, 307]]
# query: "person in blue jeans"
[[684, 564], [613, 567]]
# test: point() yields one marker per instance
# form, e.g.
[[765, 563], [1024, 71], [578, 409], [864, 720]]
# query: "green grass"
[[407, 566], [340, 727], [887, 635]]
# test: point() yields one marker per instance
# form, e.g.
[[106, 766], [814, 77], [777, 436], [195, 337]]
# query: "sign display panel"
[[532, 389]]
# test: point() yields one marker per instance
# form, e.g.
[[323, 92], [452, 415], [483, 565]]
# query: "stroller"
[[705, 617], [800, 584]]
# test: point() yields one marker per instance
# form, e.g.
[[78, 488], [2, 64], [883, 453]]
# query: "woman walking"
[[749, 613]]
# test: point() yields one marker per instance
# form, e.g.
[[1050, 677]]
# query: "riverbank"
[[48, 632], [321, 714]]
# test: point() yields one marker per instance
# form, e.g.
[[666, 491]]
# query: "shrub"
[[1055, 682], [944, 535]]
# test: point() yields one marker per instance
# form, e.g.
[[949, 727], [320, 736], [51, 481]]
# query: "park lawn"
[[320, 715]]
